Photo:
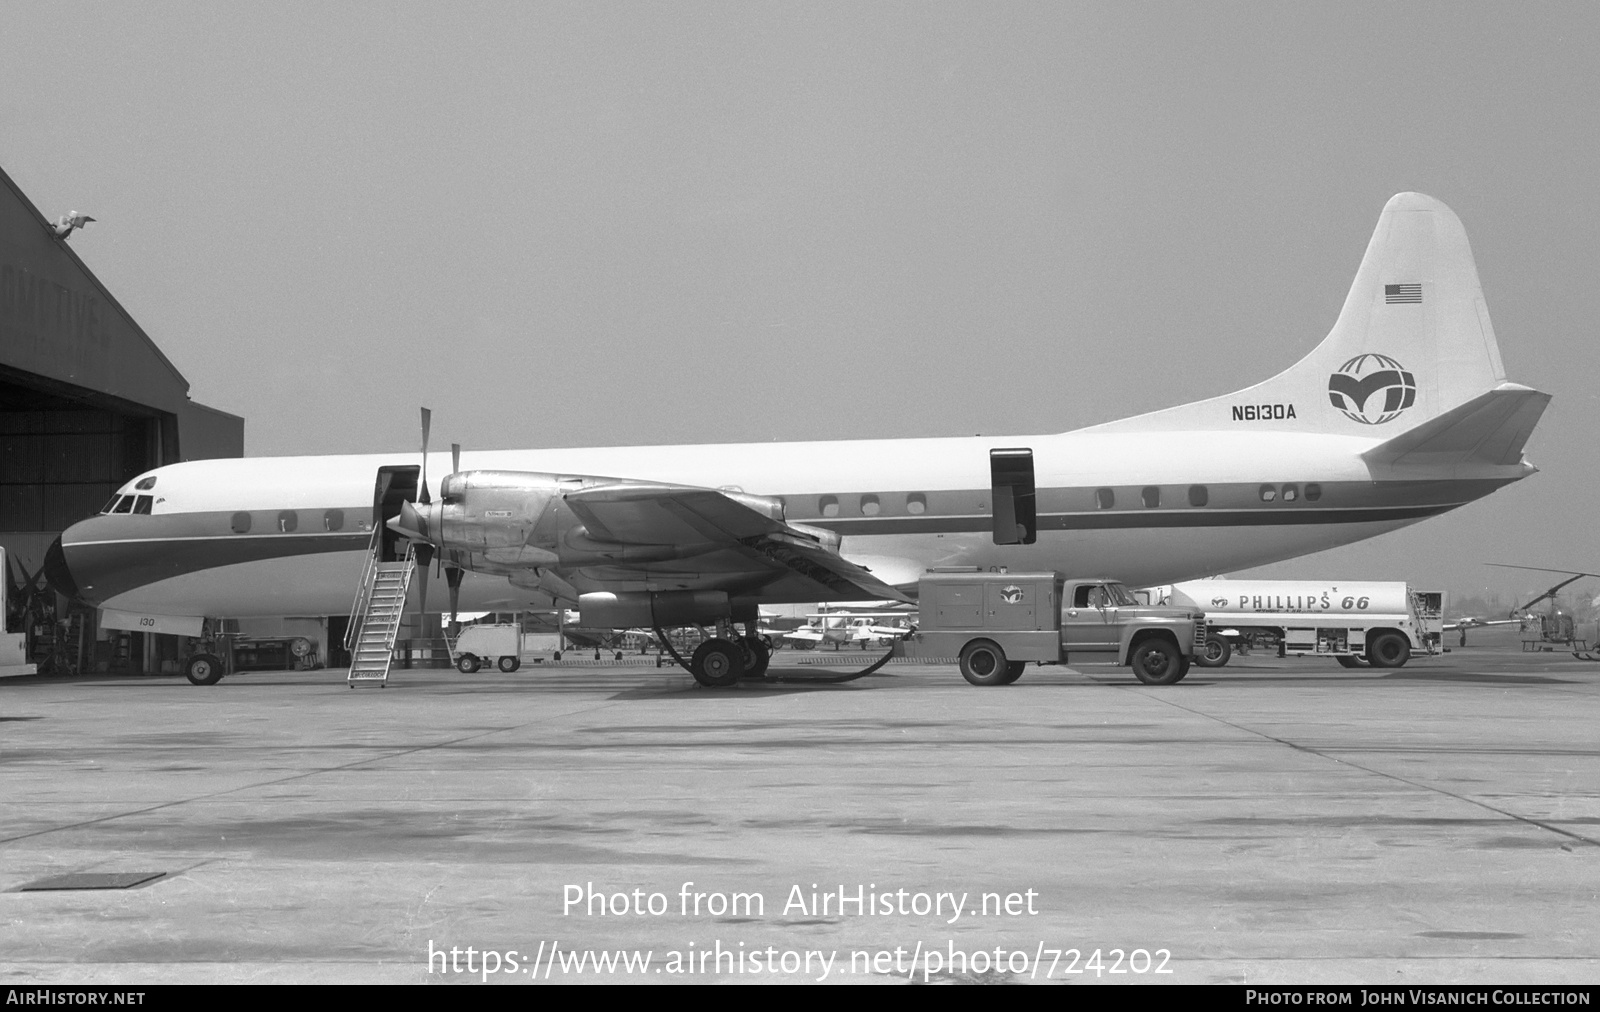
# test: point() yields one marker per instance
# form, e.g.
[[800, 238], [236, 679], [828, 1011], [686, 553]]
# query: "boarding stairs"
[[375, 616]]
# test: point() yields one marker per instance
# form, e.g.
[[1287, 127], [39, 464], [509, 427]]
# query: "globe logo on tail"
[[1372, 389]]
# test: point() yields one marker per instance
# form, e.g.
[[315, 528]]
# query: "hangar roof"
[[59, 322]]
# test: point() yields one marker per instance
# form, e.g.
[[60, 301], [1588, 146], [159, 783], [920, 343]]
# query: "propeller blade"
[[424, 557], [452, 577], [455, 457], [427, 418]]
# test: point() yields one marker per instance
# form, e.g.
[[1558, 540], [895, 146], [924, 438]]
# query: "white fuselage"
[[901, 507]]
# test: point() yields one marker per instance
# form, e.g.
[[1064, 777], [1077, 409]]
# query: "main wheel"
[[1388, 650], [1350, 662], [1157, 661], [203, 669], [509, 664], [467, 664], [1014, 670], [717, 664], [757, 655], [1216, 654], [984, 663]]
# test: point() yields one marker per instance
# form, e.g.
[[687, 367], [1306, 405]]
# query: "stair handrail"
[[358, 607]]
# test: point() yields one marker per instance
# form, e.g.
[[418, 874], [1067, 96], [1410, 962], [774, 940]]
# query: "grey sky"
[[592, 224]]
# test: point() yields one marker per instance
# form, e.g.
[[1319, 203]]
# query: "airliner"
[[1401, 413]]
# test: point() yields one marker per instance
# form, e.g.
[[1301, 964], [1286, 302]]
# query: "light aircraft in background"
[[1401, 413], [837, 628], [1554, 625]]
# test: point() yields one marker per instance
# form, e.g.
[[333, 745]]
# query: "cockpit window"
[[111, 504], [141, 504], [146, 483], [124, 505]]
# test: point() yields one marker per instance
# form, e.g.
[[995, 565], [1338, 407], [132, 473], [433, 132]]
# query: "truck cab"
[[995, 623]]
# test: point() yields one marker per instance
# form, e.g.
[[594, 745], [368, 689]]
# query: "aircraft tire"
[[467, 664], [757, 655], [1351, 662], [1157, 661], [1218, 652], [509, 664], [1388, 650], [983, 662], [203, 669], [717, 664]]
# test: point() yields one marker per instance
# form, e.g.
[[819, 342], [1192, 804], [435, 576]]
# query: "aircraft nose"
[[58, 574]]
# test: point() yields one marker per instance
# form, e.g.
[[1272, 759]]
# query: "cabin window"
[[241, 523], [1015, 516], [141, 504], [146, 484], [333, 520], [1150, 495], [288, 520], [1290, 493], [828, 505], [124, 505], [916, 504], [1104, 498], [1313, 491], [1198, 495], [870, 506], [1268, 493]]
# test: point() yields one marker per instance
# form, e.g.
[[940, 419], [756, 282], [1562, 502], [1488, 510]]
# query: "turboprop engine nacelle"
[[480, 511]]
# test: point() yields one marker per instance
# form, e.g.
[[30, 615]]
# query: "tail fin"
[[1412, 342]]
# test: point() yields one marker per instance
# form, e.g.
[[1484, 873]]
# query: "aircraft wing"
[[637, 513], [1478, 623]]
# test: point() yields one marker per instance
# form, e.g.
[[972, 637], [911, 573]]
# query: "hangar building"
[[87, 401]]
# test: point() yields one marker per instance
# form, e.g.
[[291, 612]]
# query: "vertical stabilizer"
[[1412, 342]]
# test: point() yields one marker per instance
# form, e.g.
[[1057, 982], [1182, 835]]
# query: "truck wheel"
[[1014, 670], [984, 663], [203, 669], [1216, 654], [1157, 661], [1388, 650], [466, 664], [1350, 662], [509, 664]]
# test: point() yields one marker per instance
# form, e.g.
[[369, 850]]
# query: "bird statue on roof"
[[64, 225]]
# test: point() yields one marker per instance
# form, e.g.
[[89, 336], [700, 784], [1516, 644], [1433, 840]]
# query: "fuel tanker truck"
[[1357, 624]]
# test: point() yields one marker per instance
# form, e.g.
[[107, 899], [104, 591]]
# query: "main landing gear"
[[720, 662]]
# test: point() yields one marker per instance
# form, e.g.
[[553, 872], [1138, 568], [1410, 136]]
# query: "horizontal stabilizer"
[[1488, 430]]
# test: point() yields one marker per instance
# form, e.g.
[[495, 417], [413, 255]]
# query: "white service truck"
[[482, 643], [1356, 623]]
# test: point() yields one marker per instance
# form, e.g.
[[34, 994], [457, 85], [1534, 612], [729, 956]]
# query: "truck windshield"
[[1116, 593]]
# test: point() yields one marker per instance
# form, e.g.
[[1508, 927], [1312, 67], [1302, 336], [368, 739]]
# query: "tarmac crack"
[[1309, 750], [289, 779]]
